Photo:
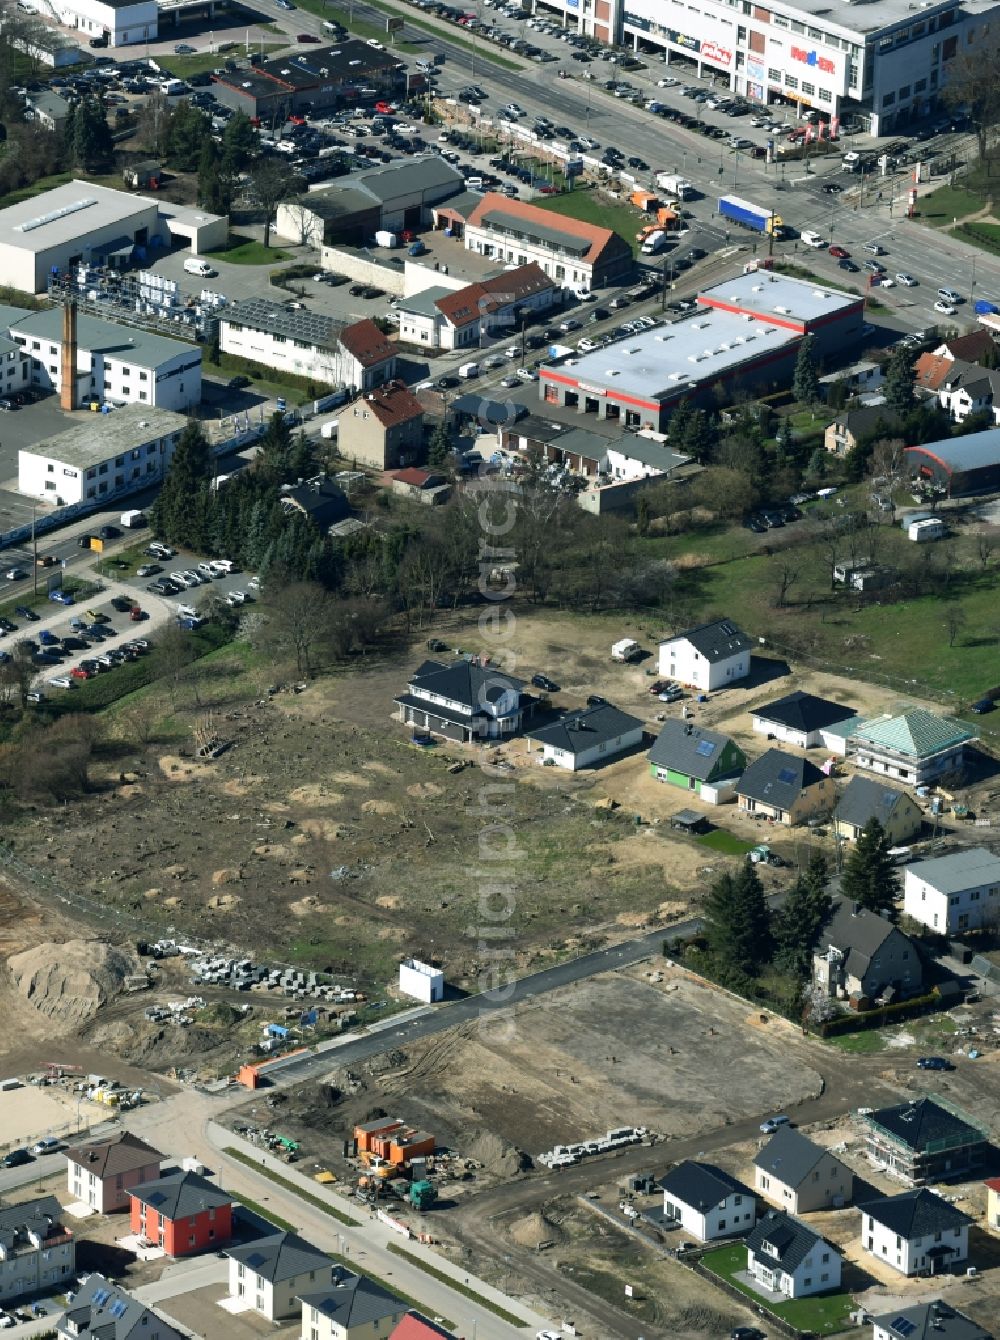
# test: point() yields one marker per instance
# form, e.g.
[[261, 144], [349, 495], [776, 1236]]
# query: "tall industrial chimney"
[[67, 390]]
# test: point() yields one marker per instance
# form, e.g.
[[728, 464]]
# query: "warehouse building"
[[313, 81], [874, 66], [746, 333], [119, 22], [112, 364], [960, 465], [358, 356], [109, 455]]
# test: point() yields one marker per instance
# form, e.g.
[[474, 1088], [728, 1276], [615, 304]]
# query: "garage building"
[[315, 81], [959, 465]]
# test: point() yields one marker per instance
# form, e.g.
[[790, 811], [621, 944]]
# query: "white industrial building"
[[358, 356], [122, 22], [421, 981], [107, 455], [79, 221], [115, 364], [873, 65], [960, 892]]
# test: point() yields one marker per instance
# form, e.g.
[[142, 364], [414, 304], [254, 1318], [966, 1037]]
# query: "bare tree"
[[299, 621], [786, 574], [954, 622], [974, 83], [272, 183], [986, 543]]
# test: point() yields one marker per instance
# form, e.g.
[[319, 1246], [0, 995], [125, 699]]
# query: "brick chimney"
[[67, 392]]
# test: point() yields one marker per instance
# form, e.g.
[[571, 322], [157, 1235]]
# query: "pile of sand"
[[498, 1156], [70, 982], [534, 1229]]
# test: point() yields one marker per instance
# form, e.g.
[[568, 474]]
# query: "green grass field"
[[587, 206], [720, 840], [940, 208], [183, 67], [824, 1314], [246, 251]]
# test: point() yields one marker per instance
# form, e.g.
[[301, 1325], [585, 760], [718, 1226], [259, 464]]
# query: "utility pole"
[[34, 550]]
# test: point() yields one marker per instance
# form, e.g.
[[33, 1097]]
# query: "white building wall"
[[567, 271], [44, 476], [786, 734], [124, 26], [421, 981], [909, 1255], [947, 913], [601, 753], [626, 468], [731, 1217], [819, 1271], [427, 331], [681, 661]]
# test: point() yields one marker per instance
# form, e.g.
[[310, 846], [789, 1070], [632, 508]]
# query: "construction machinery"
[[422, 1195]]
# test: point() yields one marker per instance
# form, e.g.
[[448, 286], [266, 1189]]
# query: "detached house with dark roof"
[[320, 499], [37, 1250], [272, 1273], [707, 1202], [697, 759], [864, 799], [589, 737], [801, 1176], [351, 1307], [917, 1232], [464, 701], [383, 429], [860, 955], [785, 788], [798, 719], [708, 657], [101, 1172], [785, 1257], [937, 1320], [923, 1141], [183, 1213], [102, 1311]]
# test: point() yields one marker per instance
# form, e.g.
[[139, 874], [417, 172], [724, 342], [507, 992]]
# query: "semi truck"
[[674, 184], [748, 215]]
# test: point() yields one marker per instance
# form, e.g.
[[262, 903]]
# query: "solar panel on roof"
[[118, 1308], [903, 1325], [255, 1259], [102, 1296], [787, 776], [705, 748]]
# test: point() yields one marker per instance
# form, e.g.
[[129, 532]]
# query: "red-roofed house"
[[384, 428], [368, 356], [930, 372], [359, 356], [441, 318], [421, 485], [574, 255], [415, 1327]]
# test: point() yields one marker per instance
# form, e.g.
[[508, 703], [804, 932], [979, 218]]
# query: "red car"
[[78, 672], [838, 253], [550, 190], [384, 108], [307, 37], [136, 614]]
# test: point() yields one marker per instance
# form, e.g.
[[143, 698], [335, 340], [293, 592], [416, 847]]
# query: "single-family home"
[[929, 374], [423, 486], [969, 389], [916, 747], [182, 1212], [708, 657], [37, 1250], [922, 1141], [927, 1321], [786, 1257], [464, 701], [853, 426], [350, 1307], [101, 1310], [798, 718], [383, 429], [864, 799], [698, 759], [960, 892], [320, 499], [414, 1326], [272, 1273], [799, 1175], [786, 788], [917, 1232], [588, 737], [445, 318], [101, 1172], [860, 955], [973, 347], [707, 1202]]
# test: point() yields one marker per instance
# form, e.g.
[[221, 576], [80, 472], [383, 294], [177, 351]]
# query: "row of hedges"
[[884, 1014], [985, 235]]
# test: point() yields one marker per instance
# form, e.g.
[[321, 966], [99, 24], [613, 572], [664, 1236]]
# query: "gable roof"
[[961, 870], [930, 371], [917, 733], [791, 1240], [971, 347], [102, 1311], [701, 1185], [789, 1156], [280, 1256], [864, 799], [464, 682], [923, 1122], [416, 1327], [353, 1300], [914, 1214], [778, 779], [864, 419], [417, 478], [180, 1194], [322, 501], [930, 1321], [42, 1217], [716, 641], [857, 933], [121, 1152], [406, 176], [803, 712], [692, 750], [560, 232], [579, 731], [461, 307], [393, 404], [364, 341]]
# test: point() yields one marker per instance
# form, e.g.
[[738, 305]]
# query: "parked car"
[[17, 1158], [26, 612], [541, 681], [934, 1063], [773, 1124]]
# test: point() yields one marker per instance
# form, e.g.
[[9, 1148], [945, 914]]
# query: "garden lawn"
[[940, 208], [183, 67], [246, 251], [719, 840], [823, 1314], [584, 204]]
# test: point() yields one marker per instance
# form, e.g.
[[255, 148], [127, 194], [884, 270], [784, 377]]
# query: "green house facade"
[[696, 759]]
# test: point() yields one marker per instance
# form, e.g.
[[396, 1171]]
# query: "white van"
[[194, 265], [469, 370]]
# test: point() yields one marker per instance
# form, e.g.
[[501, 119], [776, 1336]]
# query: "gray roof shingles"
[[581, 731], [930, 1321], [791, 1240], [281, 1256], [803, 712], [701, 1185], [915, 1214], [864, 799], [921, 1123], [180, 1195], [689, 749], [354, 1300], [716, 641], [101, 1311], [789, 1157], [778, 779]]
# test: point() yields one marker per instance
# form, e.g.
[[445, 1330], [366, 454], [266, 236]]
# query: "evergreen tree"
[[240, 144], [869, 876], [805, 380], [698, 439], [92, 144], [175, 515], [213, 193], [186, 132], [69, 135], [798, 924], [737, 924], [898, 388], [679, 420], [275, 449], [439, 448]]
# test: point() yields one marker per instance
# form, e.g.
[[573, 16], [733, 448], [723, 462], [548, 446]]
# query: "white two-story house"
[[954, 893], [708, 657], [917, 1232], [786, 1257], [707, 1202], [37, 1251], [464, 701], [271, 1274]]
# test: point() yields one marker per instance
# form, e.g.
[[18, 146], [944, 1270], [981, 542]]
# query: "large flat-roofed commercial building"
[[108, 455], [113, 363], [122, 22], [875, 65], [746, 332], [316, 80]]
